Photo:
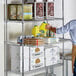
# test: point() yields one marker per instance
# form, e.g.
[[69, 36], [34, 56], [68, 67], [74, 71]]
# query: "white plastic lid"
[[50, 0], [39, 0]]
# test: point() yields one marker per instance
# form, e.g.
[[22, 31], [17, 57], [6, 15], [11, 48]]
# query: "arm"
[[63, 29], [73, 56], [69, 26]]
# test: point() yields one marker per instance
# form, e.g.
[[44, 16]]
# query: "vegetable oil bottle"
[[43, 29], [35, 31]]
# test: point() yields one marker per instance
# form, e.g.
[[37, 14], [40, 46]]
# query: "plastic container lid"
[[50, 0], [39, 0]]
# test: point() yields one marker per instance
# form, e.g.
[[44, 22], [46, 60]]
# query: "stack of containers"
[[33, 58], [36, 57]]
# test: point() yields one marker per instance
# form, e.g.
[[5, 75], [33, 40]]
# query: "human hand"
[[48, 26]]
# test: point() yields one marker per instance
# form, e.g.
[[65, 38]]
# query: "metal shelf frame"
[[23, 21], [20, 21]]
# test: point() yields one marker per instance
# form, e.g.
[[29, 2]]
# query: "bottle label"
[[28, 11], [19, 12], [12, 12], [51, 9], [39, 9]]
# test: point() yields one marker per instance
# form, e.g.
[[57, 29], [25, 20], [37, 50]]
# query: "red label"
[[39, 9], [51, 9]]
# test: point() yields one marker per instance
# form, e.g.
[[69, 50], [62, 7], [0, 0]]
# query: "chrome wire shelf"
[[15, 44], [20, 21]]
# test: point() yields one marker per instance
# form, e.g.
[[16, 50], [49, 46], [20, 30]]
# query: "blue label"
[[27, 13]]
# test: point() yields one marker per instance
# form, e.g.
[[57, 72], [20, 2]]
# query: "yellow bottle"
[[43, 29], [35, 31]]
